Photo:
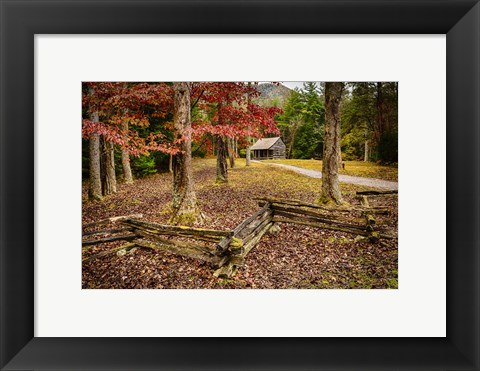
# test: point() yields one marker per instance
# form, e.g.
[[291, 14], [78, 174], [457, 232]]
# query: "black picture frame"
[[21, 20]]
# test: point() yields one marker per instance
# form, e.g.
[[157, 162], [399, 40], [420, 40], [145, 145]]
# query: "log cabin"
[[268, 149]]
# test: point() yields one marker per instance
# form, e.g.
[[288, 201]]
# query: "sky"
[[288, 84], [299, 84], [293, 84]]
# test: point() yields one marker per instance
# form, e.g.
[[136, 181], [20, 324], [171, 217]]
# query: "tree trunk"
[[249, 142], [231, 153], [289, 151], [109, 180], [296, 124], [170, 163], [222, 174], [331, 146], [379, 122], [95, 186], [111, 167], [185, 207], [341, 165], [380, 118], [365, 157], [127, 170]]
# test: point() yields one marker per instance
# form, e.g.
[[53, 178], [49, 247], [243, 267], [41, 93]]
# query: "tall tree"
[[291, 119], [248, 159], [230, 115], [331, 146], [386, 125], [135, 105], [117, 108], [127, 169], [95, 185], [107, 161], [302, 122], [222, 150], [231, 152], [185, 206], [370, 122], [366, 148], [222, 172], [358, 118]]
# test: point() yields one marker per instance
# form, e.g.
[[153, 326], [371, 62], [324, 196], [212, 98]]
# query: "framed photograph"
[[246, 162], [112, 89]]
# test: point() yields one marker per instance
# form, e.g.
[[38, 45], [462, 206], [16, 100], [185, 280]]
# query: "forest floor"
[[352, 168], [297, 257], [352, 179]]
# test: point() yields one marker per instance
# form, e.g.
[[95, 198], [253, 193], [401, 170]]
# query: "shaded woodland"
[[368, 113]]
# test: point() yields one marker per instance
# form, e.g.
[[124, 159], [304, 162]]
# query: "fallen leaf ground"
[[297, 257]]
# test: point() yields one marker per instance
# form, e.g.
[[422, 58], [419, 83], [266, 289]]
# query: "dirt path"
[[367, 182]]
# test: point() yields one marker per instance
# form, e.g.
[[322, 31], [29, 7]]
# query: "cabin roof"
[[265, 143]]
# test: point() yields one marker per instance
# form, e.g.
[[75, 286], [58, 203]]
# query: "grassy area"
[[355, 168], [274, 180]]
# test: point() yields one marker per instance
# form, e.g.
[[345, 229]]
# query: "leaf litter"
[[297, 257]]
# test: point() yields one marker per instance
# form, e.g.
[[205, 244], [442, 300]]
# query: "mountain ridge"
[[273, 94]]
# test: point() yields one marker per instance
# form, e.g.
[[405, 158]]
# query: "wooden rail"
[[226, 250]]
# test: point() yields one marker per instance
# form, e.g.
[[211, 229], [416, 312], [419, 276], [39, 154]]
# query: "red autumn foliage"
[[226, 109], [132, 103], [230, 111]]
